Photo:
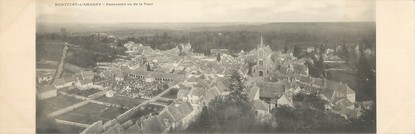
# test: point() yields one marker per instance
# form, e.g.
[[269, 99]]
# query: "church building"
[[264, 64]]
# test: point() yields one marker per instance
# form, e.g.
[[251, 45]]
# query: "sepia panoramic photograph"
[[280, 66]]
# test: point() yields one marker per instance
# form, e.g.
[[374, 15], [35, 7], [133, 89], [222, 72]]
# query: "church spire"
[[262, 43]]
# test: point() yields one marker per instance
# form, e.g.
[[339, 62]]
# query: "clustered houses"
[[201, 78], [84, 79], [64, 82], [293, 77], [150, 76], [177, 115]]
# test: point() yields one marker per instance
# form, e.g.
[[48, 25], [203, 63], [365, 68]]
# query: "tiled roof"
[[260, 105], [305, 79], [151, 125], [209, 95], [338, 87], [344, 102], [134, 129], [64, 80], [318, 82], [192, 79], [252, 92], [270, 89], [175, 113], [85, 81], [70, 79], [87, 73], [328, 93], [182, 93], [58, 82], [197, 92]]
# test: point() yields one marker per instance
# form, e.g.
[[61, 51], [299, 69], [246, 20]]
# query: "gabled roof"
[[175, 113], [253, 92], [165, 118], [311, 89], [222, 84], [202, 83], [87, 73], [64, 80], [182, 93], [318, 82], [151, 125], [328, 94], [106, 73], [305, 79], [260, 105], [344, 102], [338, 87], [181, 86], [192, 79], [209, 95], [270, 89], [134, 129], [70, 79], [140, 72], [59, 82], [197, 92], [85, 81]]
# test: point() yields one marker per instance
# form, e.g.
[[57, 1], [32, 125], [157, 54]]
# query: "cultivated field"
[[91, 113], [56, 103], [121, 100]]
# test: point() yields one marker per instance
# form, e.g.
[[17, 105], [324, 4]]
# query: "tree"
[[322, 48], [308, 117], [365, 124], [148, 67], [285, 48], [202, 124], [297, 52], [218, 57], [236, 86]]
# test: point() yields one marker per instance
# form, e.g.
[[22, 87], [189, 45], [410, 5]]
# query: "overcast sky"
[[212, 11]]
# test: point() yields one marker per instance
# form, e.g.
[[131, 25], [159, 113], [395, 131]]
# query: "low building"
[[47, 91], [64, 82], [87, 74], [44, 76], [262, 110], [84, 84]]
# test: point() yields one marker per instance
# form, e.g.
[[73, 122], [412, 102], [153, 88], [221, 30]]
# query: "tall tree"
[[236, 86], [285, 48], [297, 52]]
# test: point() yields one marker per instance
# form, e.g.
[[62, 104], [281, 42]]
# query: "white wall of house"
[[351, 97], [84, 87], [44, 79]]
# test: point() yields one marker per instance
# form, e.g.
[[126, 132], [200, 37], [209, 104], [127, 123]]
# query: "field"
[[165, 102], [91, 113], [172, 93], [56, 103], [120, 100], [84, 93], [62, 128], [49, 50]]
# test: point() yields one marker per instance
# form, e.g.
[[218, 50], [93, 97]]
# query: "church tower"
[[260, 48], [262, 67]]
